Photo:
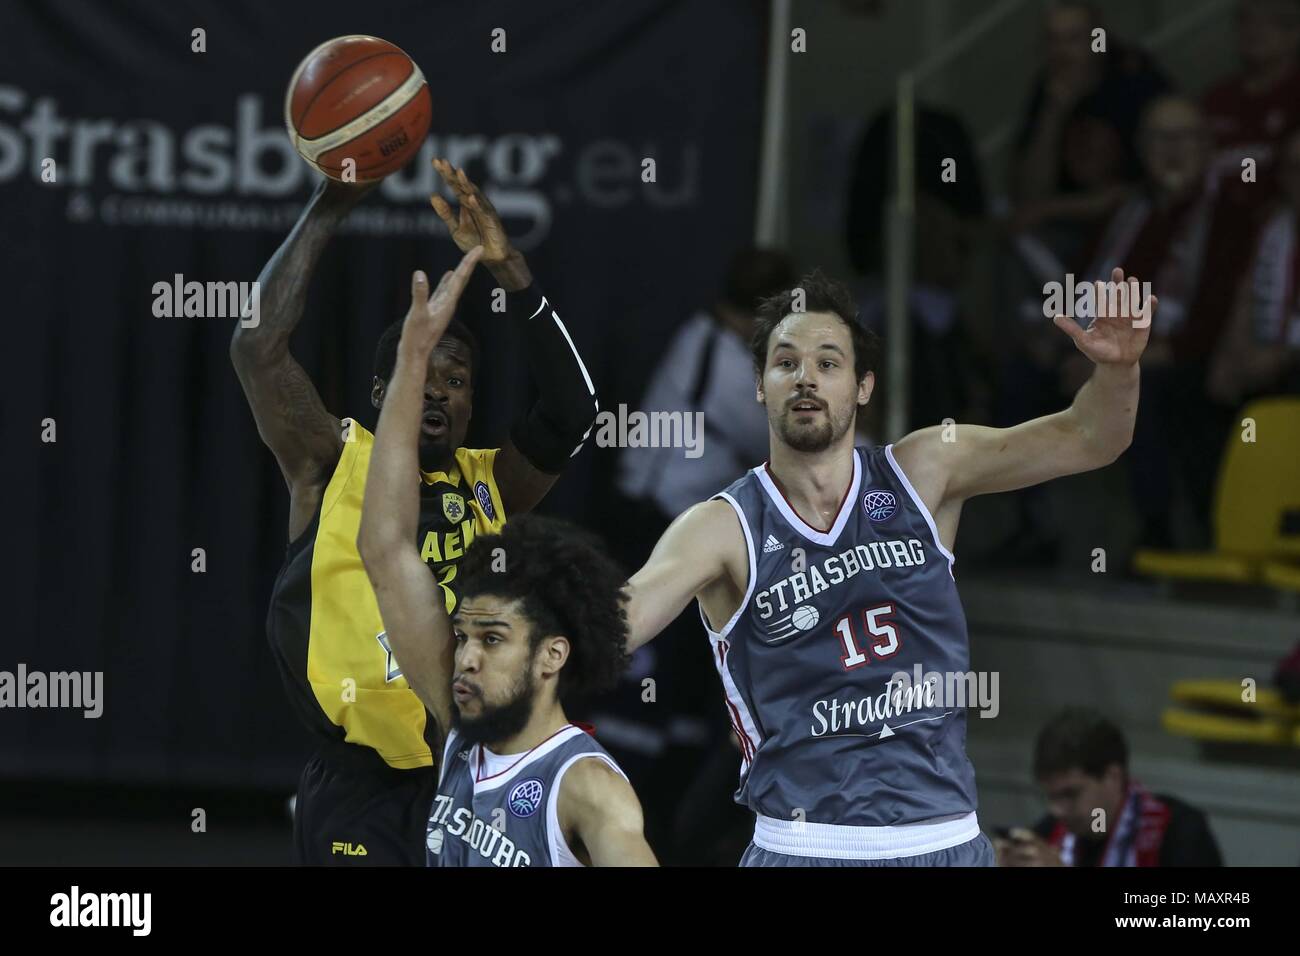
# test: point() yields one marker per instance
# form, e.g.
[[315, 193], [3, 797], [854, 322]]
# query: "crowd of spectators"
[[1191, 187]]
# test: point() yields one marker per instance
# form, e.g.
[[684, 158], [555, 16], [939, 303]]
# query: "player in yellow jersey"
[[364, 796]]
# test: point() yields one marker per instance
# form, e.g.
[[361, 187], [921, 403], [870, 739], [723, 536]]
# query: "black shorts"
[[355, 810]]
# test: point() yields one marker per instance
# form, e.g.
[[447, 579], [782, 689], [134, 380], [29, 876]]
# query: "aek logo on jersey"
[[453, 506], [786, 608]]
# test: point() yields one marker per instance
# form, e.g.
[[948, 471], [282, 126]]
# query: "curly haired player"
[[540, 619]]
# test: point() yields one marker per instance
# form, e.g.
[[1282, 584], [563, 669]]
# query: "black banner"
[[130, 157]]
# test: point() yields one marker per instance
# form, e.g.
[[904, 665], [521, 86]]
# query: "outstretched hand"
[[476, 223], [1117, 339], [429, 315]]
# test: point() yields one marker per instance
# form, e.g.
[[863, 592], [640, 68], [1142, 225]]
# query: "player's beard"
[[828, 429], [436, 453], [499, 721]]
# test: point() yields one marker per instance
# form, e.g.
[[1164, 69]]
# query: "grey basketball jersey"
[[807, 662], [510, 819]]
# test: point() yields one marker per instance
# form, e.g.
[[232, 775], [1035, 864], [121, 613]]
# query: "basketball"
[[359, 98]]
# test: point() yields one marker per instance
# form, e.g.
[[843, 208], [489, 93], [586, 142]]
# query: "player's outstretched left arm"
[[972, 460], [599, 806], [542, 442], [410, 601]]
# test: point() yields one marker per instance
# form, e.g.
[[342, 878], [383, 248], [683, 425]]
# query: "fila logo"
[[347, 849], [771, 544]]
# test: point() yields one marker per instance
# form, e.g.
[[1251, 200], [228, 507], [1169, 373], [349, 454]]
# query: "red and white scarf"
[[1136, 838]]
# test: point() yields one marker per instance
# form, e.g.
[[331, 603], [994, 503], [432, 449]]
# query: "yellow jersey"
[[324, 623]]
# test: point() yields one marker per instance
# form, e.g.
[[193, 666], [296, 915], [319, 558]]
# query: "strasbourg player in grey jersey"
[[840, 766], [541, 615]]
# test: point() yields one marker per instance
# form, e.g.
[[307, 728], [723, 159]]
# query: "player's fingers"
[[419, 288], [452, 177], [482, 200], [465, 267], [457, 180], [1070, 328], [443, 169], [484, 212], [484, 222], [466, 185], [449, 216], [453, 282], [442, 208], [1152, 304], [1102, 303]]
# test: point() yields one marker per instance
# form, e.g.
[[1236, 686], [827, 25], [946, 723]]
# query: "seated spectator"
[[1099, 815], [1250, 111], [1177, 232], [1260, 353]]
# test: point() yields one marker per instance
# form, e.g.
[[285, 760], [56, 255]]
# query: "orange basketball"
[[358, 98]]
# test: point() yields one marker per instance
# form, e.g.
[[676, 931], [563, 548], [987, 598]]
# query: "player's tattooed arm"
[[293, 422], [952, 464], [410, 601], [598, 806], [701, 554]]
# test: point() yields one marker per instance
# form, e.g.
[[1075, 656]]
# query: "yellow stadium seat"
[[1227, 695], [1220, 729], [1281, 575], [1215, 711], [1257, 507]]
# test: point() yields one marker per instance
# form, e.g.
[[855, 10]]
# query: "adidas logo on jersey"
[[771, 544]]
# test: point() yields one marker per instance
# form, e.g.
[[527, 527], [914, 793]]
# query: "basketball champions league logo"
[[879, 505], [526, 797]]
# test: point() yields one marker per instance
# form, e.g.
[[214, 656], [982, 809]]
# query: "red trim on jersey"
[[838, 511], [522, 756], [746, 745]]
